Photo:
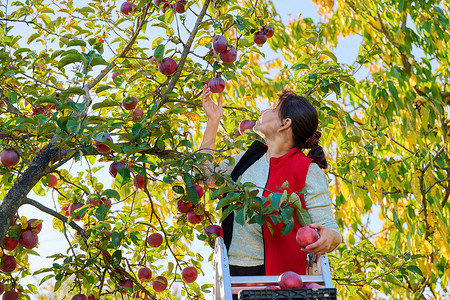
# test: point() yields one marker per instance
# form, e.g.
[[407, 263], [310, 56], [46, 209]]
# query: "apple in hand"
[[9, 243], [290, 280], [130, 103], [11, 295], [100, 146], [306, 236], [168, 66], [189, 274], [183, 207], [220, 44], [229, 55], [126, 8], [159, 283], [244, 125], [114, 168], [216, 85], [144, 274], [9, 158], [79, 297], [155, 239], [28, 239], [34, 225], [193, 218], [8, 264]]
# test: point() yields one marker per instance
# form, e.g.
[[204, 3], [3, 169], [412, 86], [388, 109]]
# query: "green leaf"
[[302, 216], [226, 201], [220, 191], [69, 59], [73, 43], [178, 189], [116, 257], [33, 37], [73, 126], [330, 55], [101, 212], [239, 217], [110, 193], [276, 200], [415, 270], [192, 195], [106, 103], [159, 53], [122, 178], [46, 278], [228, 210]]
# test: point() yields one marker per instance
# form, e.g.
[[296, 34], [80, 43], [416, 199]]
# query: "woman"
[[287, 127]]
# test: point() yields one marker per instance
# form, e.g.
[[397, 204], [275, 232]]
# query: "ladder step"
[[268, 280]]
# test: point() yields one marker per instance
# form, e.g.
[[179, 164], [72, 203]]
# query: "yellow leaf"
[[192, 116], [24, 222], [413, 80], [428, 248], [205, 40]]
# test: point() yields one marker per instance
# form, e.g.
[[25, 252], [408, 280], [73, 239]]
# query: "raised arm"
[[214, 113]]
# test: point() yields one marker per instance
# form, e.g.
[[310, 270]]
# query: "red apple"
[[130, 103], [306, 236], [114, 75], [168, 66], [11, 295], [92, 297], [28, 239], [179, 6], [2, 287], [158, 2], [220, 44], [194, 218], [199, 190], [268, 31], [126, 283], [290, 280], [229, 55], [9, 243], [216, 85], [34, 225], [65, 210], [107, 202], [189, 274], [183, 207], [139, 181], [9, 158], [92, 202], [144, 274], [244, 125], [101, 147], [311, 285], [52, 180], [155, 239], [114, 168], [159, 283], [136, 114], [8, 264], [259, 37], [73, 207], [79, 297], [166, 6], [213, 229], [126, 8]]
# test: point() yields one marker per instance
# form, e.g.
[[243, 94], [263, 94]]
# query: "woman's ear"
[[285, 123]]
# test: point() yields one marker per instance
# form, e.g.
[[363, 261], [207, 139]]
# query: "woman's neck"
[[278, 148]]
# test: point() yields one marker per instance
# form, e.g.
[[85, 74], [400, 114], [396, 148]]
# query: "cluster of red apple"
[[178, 6], [28, 239], [188, 208], [227, 53], [260, 36], [9, 158]]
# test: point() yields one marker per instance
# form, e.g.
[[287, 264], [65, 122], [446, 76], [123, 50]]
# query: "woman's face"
[[268, 123]]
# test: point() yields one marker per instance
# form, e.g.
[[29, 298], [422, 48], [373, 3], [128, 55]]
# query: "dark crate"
[[303, 294]]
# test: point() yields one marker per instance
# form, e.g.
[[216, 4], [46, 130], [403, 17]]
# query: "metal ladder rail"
[[225, 285]]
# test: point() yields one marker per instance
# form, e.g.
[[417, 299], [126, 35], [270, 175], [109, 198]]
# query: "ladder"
[[225, 286]]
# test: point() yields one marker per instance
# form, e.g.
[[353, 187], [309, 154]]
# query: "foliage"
[[386, 134]]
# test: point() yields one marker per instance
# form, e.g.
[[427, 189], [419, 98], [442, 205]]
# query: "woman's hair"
[[304, 124]]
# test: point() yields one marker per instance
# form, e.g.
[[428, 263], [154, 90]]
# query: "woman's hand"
[[213, 111], [327, 242]]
